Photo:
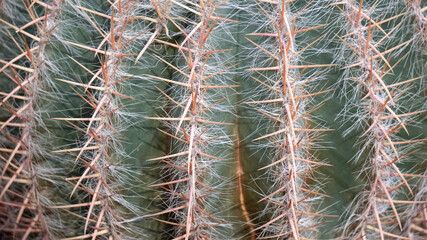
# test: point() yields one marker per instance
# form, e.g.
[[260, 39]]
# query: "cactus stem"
[[192, 120], [293, 100], [98, 180], [379, 98], [28, 112]]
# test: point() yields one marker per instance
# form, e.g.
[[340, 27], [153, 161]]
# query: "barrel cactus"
[[212, 119]]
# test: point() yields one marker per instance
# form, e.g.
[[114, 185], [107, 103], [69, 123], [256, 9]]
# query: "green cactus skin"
[[212, 119]]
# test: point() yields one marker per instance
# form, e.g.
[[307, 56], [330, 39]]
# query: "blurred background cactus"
[[212, 119]]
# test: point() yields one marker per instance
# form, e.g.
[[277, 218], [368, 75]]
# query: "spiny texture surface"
[[286, 104], [380, 112], [22, 146], [213, 119]]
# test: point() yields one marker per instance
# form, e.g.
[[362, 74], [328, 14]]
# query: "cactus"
[[208, 119]]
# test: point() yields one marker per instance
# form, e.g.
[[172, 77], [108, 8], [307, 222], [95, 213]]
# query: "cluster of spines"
[[377, 210], [192, 130], [290, 199], [23, 213], [415, 217], [416, 214], [417, 10], [100, 151]]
